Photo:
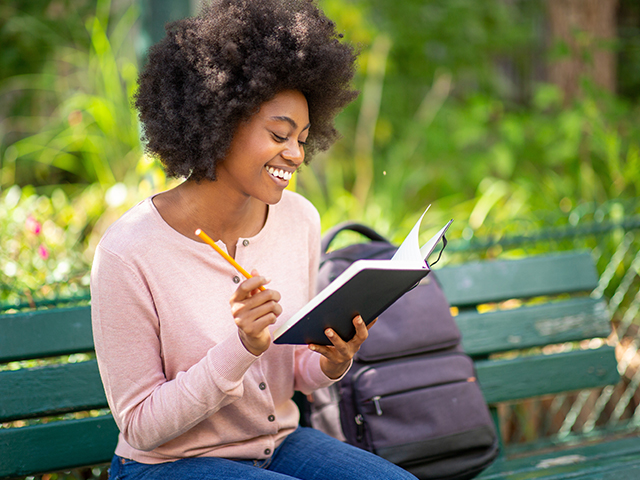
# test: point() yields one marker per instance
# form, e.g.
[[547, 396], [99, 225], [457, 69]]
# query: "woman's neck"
[[223, 216]]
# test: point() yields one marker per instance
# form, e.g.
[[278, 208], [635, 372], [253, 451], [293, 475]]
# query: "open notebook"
[[366, 287]]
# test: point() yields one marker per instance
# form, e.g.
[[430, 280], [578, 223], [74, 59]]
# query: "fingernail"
[[312, 347], [329, 333]]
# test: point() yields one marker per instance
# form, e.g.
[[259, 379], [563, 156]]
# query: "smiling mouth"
[[279, 173]]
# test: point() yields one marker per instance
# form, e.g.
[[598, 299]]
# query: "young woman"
[[232, 100]]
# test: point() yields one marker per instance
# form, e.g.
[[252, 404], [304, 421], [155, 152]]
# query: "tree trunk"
[[587, 28]]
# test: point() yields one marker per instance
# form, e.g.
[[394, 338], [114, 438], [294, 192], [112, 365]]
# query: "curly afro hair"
[[213, 71]]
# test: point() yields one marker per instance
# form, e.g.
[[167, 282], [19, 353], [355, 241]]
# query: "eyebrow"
[[289, 120]]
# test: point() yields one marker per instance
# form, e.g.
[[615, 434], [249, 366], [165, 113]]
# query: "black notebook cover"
[[368, 293]]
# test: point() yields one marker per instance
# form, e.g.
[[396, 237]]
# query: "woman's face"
[[267, 148]]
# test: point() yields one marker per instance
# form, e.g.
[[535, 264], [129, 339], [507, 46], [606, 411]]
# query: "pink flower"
[[33, 225], [43, 252]]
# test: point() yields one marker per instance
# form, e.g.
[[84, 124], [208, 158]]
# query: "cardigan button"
[[271, 418], [245, 242], [236, 279], [262, 386], [267, 451]]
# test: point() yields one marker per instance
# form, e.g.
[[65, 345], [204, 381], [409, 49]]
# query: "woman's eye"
[[280, 139]]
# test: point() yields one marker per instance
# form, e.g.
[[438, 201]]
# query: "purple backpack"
[[411, 395]]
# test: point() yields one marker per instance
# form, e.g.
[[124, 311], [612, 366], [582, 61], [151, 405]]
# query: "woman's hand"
[[337, 357], [253, 311]]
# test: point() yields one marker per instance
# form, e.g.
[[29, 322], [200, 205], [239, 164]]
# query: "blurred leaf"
[[92, 134]]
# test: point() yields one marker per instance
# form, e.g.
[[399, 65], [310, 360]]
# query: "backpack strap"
[[368, 232]]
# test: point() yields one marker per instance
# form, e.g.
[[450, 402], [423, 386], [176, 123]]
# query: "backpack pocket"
[[419, 412]]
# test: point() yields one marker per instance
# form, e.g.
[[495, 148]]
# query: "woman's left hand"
[[337, 357]]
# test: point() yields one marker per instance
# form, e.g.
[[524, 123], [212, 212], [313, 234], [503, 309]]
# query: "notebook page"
[[409, 251]]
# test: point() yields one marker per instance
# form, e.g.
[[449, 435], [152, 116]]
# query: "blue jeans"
[[305, 454]]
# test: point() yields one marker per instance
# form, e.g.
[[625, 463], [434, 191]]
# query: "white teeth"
[[278, 172]]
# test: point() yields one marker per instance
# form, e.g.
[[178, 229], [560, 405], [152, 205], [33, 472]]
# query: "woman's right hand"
[[253, 311]]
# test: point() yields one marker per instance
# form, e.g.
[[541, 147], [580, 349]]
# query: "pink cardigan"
[[178, 380]]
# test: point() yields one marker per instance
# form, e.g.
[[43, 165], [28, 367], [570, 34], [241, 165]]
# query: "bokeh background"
[[520, 119]]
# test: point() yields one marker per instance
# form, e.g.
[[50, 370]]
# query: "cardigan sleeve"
[[148, 409]]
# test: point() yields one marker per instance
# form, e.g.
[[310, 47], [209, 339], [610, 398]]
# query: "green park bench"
[[545, 301], [54, 417]]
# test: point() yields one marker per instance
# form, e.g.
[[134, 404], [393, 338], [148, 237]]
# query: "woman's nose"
[[294, 152]]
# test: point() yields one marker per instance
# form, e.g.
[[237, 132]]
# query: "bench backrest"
[[55, 396], [49, 395], [545, 301]]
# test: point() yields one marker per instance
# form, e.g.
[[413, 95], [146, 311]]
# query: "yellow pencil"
[[225, 255]]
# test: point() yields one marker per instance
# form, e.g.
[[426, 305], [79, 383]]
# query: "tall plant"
[[77, 166], [92, 135]]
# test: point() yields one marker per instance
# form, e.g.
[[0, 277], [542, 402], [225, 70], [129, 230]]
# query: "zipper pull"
[[359, 419], [376, 403]]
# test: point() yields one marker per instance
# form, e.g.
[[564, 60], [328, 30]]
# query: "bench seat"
[[617, 459], [530, 325]]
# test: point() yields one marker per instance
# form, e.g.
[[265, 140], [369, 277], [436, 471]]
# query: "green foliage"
[[41, 251], [47, 242], [86, 132], [79, 154], [487, 165], [31, 31], [438, 122], [629, 49], [465, 38]]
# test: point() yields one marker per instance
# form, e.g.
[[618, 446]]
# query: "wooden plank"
[[57, 446], [525, 327], [532, 376], [45, 333], [623, 469], [615, 459], [50, 390], [497, 280]]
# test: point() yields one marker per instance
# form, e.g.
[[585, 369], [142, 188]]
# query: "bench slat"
[[497, 280], [45, 333], [50, 390], [533, 326], [603, 460], [502, 380], [57, 446]]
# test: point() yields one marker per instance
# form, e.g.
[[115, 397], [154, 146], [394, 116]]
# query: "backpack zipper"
[[376, 403], [359, 418]]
